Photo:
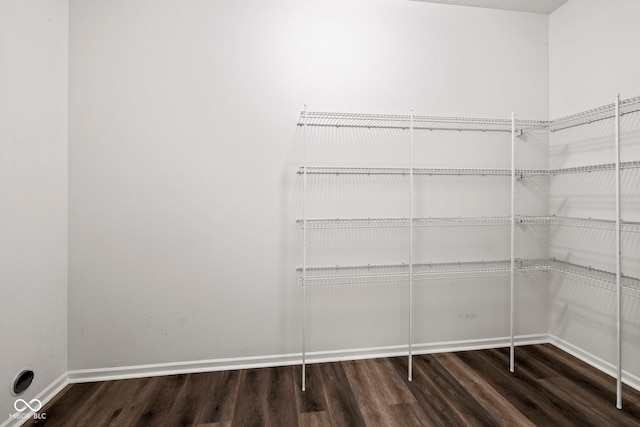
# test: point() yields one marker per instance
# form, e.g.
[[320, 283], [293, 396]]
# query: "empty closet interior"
[[462, 177], [483, 227]]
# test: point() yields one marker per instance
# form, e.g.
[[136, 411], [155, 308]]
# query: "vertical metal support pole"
[[618, 262], [513, 227], [304, 248], [410, 364]]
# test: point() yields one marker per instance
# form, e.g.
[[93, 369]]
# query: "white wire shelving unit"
[[413, 272]]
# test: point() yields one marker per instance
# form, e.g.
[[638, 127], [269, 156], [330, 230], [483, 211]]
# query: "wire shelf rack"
[[520, 173], [462, 221], [403, 121], [587, 275], [477, 124], [595, 168], [471, 269], [399, 273], [605, 112], [601, 224], [367, 274], [350, 223], [327, 170]]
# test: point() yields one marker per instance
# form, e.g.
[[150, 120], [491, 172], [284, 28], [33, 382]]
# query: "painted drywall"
[[33, 194], [592, 47], [184, 150], [591, 59]]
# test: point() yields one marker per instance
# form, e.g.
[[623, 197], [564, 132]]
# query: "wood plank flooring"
[[474, 388]]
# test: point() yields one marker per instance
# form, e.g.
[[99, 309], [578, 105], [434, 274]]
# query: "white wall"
[[183, 152], [593, 56], [33, 193]]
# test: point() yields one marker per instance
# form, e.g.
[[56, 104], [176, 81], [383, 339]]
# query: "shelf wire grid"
[[600, 224], [520, 173], [402, 121], [595, 168], [588, 275], [367, 274], [605, 112], [348, 223], [327, 170], [354, 223]]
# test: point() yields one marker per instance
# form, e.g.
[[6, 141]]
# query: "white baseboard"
[[139, 371], [44, 397], [481, 344], [593, 360], [127, 372]]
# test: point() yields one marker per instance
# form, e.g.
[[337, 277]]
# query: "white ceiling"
[[536, 6]]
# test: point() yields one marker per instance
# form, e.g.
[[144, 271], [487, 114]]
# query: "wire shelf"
[[354, 223], [399, 273], [462, 221], [462, 171], [588, 275], [403, 121], [367, 274], [471, 269], [390, 121], [520, 173], [350, 223], [475, 124], [313, 170], [600, 224], [353, 275], [605, 112], [595, 168]]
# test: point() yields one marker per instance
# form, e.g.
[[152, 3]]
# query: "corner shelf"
[[423, 272], [605, 112], [595, 168], [601, 224], [587, 275]]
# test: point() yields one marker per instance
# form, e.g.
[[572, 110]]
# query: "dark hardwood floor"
[[474, 388]]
